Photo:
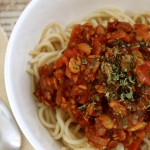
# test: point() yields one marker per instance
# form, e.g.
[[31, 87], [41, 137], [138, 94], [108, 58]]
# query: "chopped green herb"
[[128, 45], [147, 105], [103, 64], [120, 113], [129, 107], [91, 66], [119, 42], [116, 51], [128, 95], [96, 59], [126, 62], [82, 107], [96, 97], [123, 82], [135, 46], [122, 97], [125, 122], [139, 84], [123, 45], [142, 43], [131, 79], [84, 61]]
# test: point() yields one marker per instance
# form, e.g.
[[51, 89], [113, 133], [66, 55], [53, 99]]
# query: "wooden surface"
[[3, 45]]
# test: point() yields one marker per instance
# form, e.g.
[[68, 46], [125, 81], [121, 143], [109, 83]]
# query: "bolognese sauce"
[[102, 80]]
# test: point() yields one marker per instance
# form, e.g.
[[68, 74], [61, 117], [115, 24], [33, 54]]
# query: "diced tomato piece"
[[143, 72], [117, 107], [137, 56], [124, 26], [142, 35], [111, 37], [70, 53], [62, 61], [112, 144], [142, 27], [148, 128], [135, 145], [107, 122]]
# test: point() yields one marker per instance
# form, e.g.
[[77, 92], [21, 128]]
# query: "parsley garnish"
[[125, 122], [84, 61], [96, 97]]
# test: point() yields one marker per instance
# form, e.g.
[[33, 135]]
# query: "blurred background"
[[10, 10]]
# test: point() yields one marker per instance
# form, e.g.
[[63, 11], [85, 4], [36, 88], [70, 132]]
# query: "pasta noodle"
[[54, 40]]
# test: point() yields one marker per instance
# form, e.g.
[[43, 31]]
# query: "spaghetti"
[[50, 47]]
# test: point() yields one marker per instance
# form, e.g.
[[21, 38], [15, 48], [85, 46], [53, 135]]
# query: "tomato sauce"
[[102, 80]]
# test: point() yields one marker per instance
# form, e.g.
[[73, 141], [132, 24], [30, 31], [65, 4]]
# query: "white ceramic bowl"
[[25, 36]]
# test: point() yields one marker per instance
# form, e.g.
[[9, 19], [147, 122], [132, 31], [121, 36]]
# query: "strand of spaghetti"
[[99, 20], [147, 142], [37, 57], [119, 147], [41, 61], [148, 20], [135, 17], [86, 148], [126, 17], [104, 23], [55, 58], [42, 118], [51, 26], [143, 20], [104, 13], [74, 147], [30, 70], [72, 141], [111, 8], [39, 104], [47, 118], [77, 128], [56, 131], [35, 69], [115, 13], [52, 115], [61, 123], [57, 46], [53, 37], [70, 146], [67, 132], [49, 46], [95, 15], [44, 59], [64, 148], [94, 22], [32, 85], [111, 13], [144, 147], [36, 53]]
